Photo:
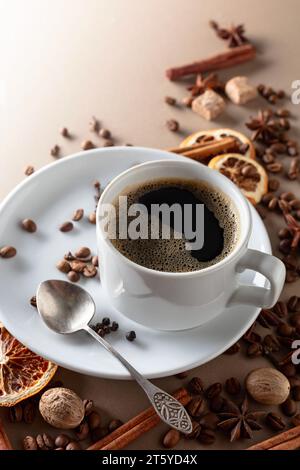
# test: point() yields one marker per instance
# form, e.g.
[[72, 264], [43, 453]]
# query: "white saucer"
[[50, 197]]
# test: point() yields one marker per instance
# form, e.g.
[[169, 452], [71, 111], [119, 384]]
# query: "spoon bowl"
[[64, 307]]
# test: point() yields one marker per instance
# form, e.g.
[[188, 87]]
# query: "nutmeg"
[[61, 408], [267, 386]]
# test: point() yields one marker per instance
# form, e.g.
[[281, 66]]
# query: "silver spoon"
[[67, 308]]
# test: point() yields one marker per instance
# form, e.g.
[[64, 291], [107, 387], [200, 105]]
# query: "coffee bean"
[[295, 204], [287, 196], [94, 420], [273, 204], [290, 262], [267, 318], [289, 407], [209, 421], [284, 206], [280, 308], [77, 266], [195, 407], [78, 214], [92, 218], [289, 370], [95, 261], [29, 170], [29, 412], [217, 403], [284, 233], [254, 350], [114, 326], [48, 441], [73, 276], [88, 406], [278, 147], [285, 246], [82, 431], [131, 335], [29, 443], [172, 125], [73, 445], [196, 428], [89, 271], [105, 321], [294, 169], [293, 303], [291, 276], [296, 393], [33, 301], [268, 158], [87, 145], [66, 227], [29, 225], [54, 152], [170, 100], [15, 413], [292, 151], [275, 421], [65, 132], [234, 349], [105, 133], [207, 436], [294, 381], [114, 424], [275, 167], [83, 252], [171, 438], [196, 386], [267, 198], [283, 112], [295, 319], [232, 386], [108, 143], [272, 343], [248, 170], [62, 440], [63, 266], [284, 124], [213, 390], [7, 252], [182, 375], [98, 434], [285, 330], [296, 420], [273, 184]]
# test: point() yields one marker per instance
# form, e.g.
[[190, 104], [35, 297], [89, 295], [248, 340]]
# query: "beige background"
[[63, 61]]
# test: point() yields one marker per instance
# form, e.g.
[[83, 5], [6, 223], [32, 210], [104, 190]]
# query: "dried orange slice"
[[22, 373], [247, 174], [244, 146]]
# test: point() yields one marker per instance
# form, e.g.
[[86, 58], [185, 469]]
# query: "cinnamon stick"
[[4, 441], [288, 438], [292, 444], [136, 426], [209, 149], [223, 60]]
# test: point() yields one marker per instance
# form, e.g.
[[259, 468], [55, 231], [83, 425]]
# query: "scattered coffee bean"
[[7, 252], [29, 443], [73, 445], [285, 246], [278, 148], [89, 271], [78, 214], [209, 421], [172, 125], [32, 301], [44, 441], [106, 321], [83, 431], [73, 276], [62, 440], [295, 319], [170, 100], [66, 227], [280, 308], [95, 261], [283, 113], [273, 184], [92, 218], [233, 386], [285, 330], [94, 420], [234, 349], [292, 150], [88, 406], [272, 343], [254, 350], [217, 404], [284, 233], [65, 132], [182, 375], [63, 266], [196, 428], [207, 436], [29, 412], [267, 318], [273, 204], [114, 326], [94, 124], [195, 407], [268, 158], [275, 167], [83, 252], [29, 225], [105, 133], [15, 413], [87, 145], [131, 335], [275, 421], [54, 152], [77, 266], [108, 143], [294, 169], [114, 424], [196, 385], [171, 438], [29, 170], [213, 390], [293, 303], [267, 198], [295, 204], [289, 407]]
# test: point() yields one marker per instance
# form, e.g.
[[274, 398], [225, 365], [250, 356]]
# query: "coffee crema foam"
[[171, 255]]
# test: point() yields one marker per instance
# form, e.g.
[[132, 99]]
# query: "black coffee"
[[220, 225]]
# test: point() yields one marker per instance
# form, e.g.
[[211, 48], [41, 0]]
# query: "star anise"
[[211, 82], [294, 229], [235, 35], [239, 421], [266, 129]]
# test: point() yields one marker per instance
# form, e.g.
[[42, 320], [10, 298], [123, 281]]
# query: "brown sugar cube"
[[208, 105], [239, 90]]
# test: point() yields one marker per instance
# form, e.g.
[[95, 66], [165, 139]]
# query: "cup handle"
[[272, 268]]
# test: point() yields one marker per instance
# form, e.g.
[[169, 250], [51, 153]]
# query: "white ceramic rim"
[[243, 209]]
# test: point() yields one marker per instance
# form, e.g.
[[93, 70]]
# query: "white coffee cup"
[[177, 301]]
